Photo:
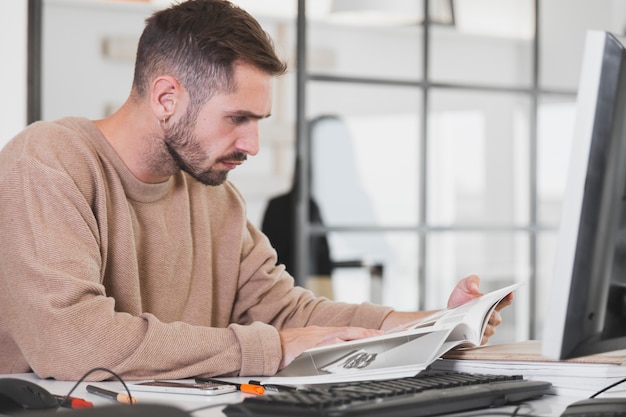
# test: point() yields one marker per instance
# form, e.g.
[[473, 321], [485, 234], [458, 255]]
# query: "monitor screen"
[[587, 312]]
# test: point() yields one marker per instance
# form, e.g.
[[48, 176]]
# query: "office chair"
[[279, 226]]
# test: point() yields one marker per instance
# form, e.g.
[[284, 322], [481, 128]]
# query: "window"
[[454, 146]]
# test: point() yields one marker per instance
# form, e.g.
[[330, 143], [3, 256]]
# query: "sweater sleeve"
[[267, 293]]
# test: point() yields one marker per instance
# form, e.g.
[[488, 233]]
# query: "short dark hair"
[[199, 42]]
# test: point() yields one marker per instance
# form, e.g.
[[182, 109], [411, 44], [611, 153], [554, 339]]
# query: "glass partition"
[[490, 43], [365, 159], [478, 158]]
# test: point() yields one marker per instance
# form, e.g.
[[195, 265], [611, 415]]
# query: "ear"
[[165, 97]]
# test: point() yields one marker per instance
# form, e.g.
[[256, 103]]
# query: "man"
[[123, 246]]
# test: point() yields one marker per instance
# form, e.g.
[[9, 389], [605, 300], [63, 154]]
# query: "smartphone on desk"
[[178, 387]]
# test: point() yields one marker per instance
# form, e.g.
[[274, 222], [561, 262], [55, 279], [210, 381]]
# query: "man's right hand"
[[295, 341]]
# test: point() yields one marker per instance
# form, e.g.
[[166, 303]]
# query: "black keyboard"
[[427, 394]]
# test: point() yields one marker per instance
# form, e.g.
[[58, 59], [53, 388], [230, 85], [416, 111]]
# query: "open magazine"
[[400, 352]]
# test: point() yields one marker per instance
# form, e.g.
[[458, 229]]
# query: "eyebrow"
[[250, 114]]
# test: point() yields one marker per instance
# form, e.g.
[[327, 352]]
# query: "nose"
[[248, 141]]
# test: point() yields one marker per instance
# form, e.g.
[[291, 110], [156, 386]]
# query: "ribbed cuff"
[[261, 351]]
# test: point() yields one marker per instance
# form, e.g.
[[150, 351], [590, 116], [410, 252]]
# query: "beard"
[[188, 155]]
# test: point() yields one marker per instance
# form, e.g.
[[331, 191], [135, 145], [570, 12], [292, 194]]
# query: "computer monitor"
[[587, 312]]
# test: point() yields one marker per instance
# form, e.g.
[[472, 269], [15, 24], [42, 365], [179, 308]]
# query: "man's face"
[[225, 130]]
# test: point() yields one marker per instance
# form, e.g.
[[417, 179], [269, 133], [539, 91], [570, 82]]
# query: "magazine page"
[[383, 359], [475, 313], [403, 351]]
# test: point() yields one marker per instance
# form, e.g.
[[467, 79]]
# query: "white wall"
[[13, 72]]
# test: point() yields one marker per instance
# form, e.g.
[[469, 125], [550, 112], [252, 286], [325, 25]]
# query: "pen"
[[73, 402], [119, 397], [273, 387], [247, 388]]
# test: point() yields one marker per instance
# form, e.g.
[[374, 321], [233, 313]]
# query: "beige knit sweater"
[[169, 280]]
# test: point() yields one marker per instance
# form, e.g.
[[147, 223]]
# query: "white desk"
[[548, 406], [185, 402]]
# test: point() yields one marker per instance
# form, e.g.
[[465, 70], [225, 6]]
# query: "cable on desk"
[[515, 412], [621, 381], [82, 378]]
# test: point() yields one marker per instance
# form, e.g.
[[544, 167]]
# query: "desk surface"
[[211, 406]]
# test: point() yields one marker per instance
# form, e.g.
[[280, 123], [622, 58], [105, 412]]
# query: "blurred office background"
[[434, 148]]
